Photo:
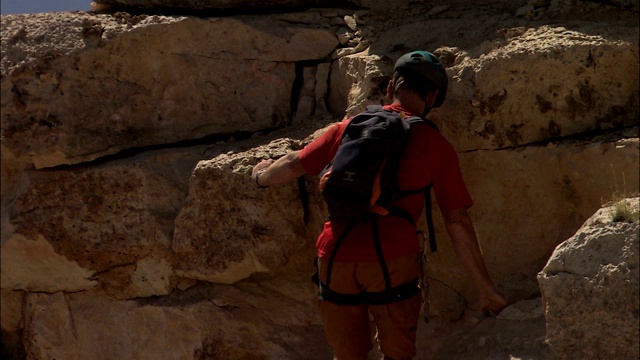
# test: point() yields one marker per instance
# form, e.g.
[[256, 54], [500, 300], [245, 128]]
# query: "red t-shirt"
[[429, 159]]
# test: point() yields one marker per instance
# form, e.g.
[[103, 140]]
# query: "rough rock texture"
[[517, 333], [127, 211], [245, 5], [519, 86], [199, 5], [590, 290], [34, 265], [561, 183], [144, 80], [242, 235], [542, 100], [205, 322]]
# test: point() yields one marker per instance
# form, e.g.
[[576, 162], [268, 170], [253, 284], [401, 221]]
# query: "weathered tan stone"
[[33, 265], [228, 229], [12, 176], [152, 277], [11, 305], [202, 323], [590, 289], [253, 5], [357, 81], [154, 80], [488, 337], [14, 181], [195, 5], [568, 83], [523, 310], [526, 201], [395, 5], [322, 89], [115, 221], [92, 215], [521, 87], [311, 100]]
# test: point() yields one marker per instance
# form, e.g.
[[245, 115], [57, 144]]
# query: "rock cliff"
[[590, 287], [130, 226]]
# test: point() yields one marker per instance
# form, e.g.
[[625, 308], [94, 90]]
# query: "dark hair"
[[416, 84]]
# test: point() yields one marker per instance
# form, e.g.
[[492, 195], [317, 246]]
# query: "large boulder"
[[590, 287], [228, 229], [357, 80], [108, 226], [532, 88], [144, 80]]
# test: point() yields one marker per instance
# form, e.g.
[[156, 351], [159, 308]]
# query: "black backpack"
[[363, 166], [361, 178]]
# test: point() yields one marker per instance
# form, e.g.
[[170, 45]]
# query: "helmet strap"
[[426, 111], [428, 103]]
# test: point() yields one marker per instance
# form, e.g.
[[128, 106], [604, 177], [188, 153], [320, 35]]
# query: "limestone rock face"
[[245, 230], [246, 5], [195, 5], [194, 324], [12, 324], [357, 81], [552, 100], [130, 226], [142, 83], [34, 265], [561, 183], [521, 86], [590, 289], [110, 223]]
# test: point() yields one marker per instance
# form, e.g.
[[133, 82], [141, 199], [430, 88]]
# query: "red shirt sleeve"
[[448, 183], [315, 156]]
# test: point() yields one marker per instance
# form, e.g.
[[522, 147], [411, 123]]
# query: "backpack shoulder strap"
[[429, 218], [416, 119], [427, 190], [373, 109]]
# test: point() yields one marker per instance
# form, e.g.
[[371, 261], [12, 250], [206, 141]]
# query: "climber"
[[419, 83]]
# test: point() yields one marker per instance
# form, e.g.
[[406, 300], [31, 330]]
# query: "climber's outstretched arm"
[[281, 171], [465, 243]]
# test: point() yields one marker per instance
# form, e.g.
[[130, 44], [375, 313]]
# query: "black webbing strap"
[[383, 264], [390, 294], [378, 246], [427, 213], [385, 297], [335, 250]]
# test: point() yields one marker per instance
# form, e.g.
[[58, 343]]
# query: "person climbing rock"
[[372, 264]]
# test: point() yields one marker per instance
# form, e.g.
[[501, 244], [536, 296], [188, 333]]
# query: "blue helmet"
[[427, 66]]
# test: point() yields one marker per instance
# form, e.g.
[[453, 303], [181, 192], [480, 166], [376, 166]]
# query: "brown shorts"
[[347, 327]]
